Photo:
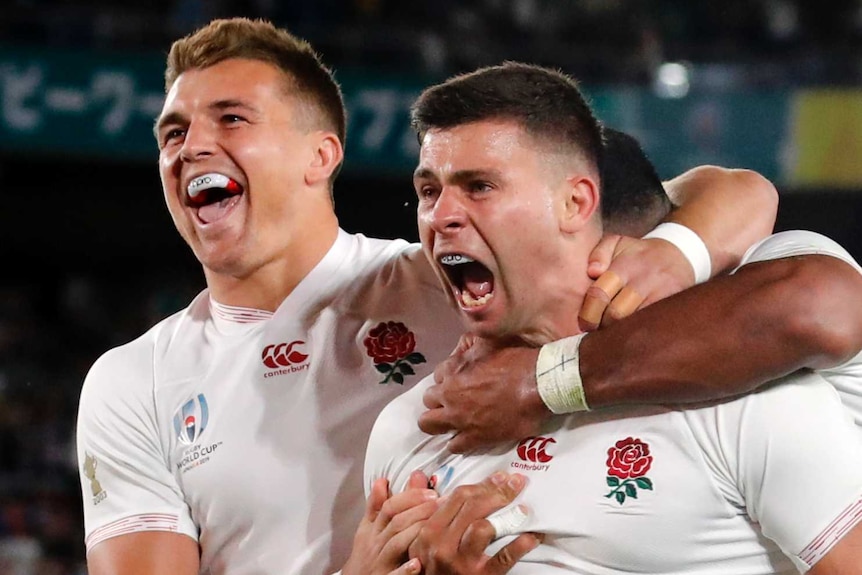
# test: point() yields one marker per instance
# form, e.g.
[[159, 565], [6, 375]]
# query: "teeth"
[[454, 260], [470, 301], [207, 181]]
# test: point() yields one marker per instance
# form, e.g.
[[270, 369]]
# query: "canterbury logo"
[[533, 449], [283, 355]]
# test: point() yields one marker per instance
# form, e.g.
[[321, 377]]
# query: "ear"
[[328, 154], [580, 203]]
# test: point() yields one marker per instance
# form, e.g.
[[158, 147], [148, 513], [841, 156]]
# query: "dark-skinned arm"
[[729, 335], [717, 339]]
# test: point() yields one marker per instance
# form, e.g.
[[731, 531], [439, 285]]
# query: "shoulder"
[[128, 371], [796, 243], [390, 261]]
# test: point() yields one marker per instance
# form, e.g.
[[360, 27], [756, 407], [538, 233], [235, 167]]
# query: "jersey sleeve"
[[796, 460], [797, 243], [126, 481], [846, 377]]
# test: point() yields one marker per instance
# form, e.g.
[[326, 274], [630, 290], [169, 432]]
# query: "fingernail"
[[517, 481], [499, 478], [539, 537], [413, 566], [430, 494]]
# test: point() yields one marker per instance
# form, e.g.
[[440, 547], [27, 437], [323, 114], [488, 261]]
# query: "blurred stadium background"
[[91, 258]]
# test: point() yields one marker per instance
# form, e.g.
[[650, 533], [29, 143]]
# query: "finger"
[[625, 304], [472, 502], [417, 480], [602, 255], [376, 498], [480, 533], [465, 441], [432, 398], [513, 552], [435, 422], [401, 503], [598, 296], [508, 521], [464, 343], [411, 567]]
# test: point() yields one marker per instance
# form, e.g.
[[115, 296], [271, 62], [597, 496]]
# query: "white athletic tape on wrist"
[[689, 243], [508, 521], [558, 375]]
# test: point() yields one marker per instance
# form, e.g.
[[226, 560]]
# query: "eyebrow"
[[460, 176], [218, 105]]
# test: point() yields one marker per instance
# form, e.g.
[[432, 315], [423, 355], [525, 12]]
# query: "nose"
[[199, 142], [448, 213]]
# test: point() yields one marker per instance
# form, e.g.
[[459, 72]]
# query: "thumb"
[[378, 496], [602, 255], [464, 343]]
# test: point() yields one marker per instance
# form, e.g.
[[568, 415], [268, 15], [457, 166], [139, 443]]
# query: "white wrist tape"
[[690, 244], [558, 375]]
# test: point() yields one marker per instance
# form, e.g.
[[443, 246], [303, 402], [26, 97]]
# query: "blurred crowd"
[[51, 330], [597, 40]]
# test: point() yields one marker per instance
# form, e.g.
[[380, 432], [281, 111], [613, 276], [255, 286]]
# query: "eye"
[[426, 192], [480, 187], [172, 135], [232, 119]]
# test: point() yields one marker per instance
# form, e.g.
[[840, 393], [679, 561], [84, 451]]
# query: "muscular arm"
[[145, 553], [730, 209], [729, 335]]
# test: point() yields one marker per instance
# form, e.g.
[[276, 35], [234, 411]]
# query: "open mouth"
[[472, 281], [213, 195]]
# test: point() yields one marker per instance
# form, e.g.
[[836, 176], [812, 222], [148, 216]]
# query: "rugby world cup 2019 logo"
[[190, 420]]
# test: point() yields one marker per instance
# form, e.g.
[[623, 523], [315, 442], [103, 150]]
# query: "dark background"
[[90, 258]]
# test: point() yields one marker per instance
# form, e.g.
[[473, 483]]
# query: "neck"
[[267, 285], [562, 292]]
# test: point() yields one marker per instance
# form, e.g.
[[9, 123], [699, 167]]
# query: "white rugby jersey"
[[246, 430], [761, 484], [846, 378]]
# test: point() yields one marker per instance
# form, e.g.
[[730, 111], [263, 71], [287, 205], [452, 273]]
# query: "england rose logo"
[[392, 348], [628, 462]]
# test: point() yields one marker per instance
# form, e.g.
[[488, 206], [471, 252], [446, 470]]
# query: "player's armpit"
[[845, 558], [145, 553]]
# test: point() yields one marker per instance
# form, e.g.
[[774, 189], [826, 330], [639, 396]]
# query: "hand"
[[485, 393], [388, 527], [454, 539], [632, 273]]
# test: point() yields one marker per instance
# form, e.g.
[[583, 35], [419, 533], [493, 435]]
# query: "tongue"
[[477, 280], [215, 211]]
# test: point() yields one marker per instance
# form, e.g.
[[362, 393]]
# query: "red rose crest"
[[391, 345], [628, 462]]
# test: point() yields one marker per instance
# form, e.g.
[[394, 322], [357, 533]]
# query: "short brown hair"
[[307, 77], [546, 103]]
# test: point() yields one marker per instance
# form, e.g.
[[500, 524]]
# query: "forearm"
[[729, 209], [729, 335]]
